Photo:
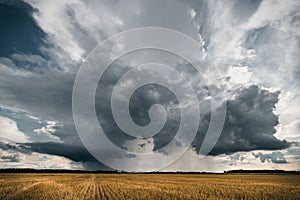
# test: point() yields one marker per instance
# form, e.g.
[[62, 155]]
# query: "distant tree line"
[[29, 170]]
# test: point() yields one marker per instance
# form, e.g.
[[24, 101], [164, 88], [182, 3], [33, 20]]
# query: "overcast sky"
[[254, 44]]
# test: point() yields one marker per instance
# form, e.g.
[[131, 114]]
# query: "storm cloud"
[[250, 123], [254, 44]]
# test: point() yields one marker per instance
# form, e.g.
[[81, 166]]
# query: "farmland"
[[149, 186]]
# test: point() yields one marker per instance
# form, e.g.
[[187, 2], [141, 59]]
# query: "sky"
[[255, 46]]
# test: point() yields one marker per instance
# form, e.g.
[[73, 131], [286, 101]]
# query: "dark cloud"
[[19, 32], [249, 125], [48, 96], [103, 103], [5, 146], [250, 120], [75, 152], [141, 101], [274, 157]]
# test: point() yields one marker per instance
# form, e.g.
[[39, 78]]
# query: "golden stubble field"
[[149, 186]]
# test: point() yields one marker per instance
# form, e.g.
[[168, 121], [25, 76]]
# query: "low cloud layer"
[[250, 123], [274, 157]]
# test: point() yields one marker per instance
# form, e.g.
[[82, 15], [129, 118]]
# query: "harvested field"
[[149, 186]]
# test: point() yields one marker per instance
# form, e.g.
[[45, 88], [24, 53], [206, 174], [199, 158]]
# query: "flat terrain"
[[149, 186]]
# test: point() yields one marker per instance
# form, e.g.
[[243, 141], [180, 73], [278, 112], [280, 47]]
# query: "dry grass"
[[149, 186]]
